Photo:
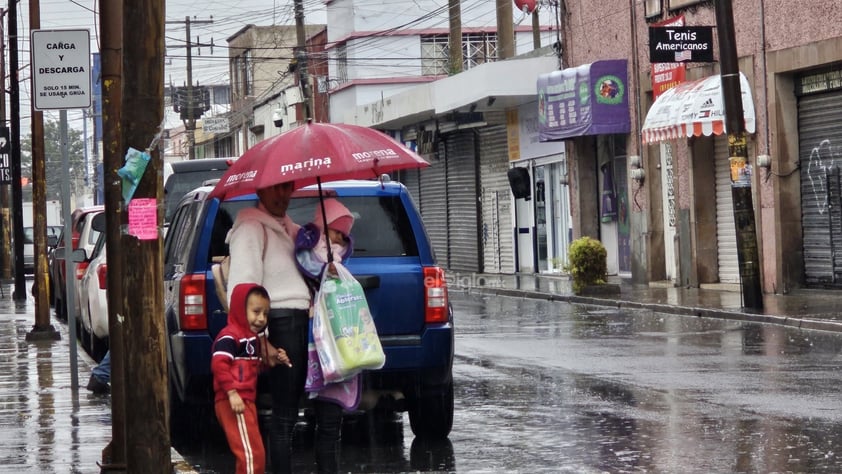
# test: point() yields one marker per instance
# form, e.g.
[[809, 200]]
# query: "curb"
[[815, 322]]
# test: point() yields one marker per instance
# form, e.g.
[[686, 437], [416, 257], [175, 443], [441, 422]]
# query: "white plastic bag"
[[343, 329]]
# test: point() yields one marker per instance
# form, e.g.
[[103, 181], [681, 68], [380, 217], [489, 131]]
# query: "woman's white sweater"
[[277, 272]]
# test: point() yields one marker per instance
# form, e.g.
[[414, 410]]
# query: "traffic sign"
[[61, 69]]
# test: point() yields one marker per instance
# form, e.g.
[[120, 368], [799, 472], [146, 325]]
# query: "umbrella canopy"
[[316, 152]]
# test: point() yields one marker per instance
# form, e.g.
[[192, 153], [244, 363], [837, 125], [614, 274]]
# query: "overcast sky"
[[208, 68]]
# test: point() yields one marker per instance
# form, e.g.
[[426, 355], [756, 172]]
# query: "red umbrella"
[[315, 153]]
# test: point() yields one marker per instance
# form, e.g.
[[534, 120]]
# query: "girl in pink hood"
[[310, 245], [240, 352]]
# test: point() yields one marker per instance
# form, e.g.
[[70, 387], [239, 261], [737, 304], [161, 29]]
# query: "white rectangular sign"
[[61, 69], [215, 125]]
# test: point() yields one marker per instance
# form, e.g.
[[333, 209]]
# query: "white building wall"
[[347, 16], [402, 57], [343, 104]]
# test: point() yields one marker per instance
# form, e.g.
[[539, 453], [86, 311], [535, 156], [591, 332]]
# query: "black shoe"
[[98, 387]]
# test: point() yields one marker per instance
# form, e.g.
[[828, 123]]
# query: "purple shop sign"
[[591, 99]]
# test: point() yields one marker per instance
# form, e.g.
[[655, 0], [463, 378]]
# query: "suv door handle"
[[368, 282]]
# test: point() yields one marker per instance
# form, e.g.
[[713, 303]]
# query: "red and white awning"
[[693, 109]]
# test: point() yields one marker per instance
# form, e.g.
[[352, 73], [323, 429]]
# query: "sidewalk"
[[807, 309], [45, 425]]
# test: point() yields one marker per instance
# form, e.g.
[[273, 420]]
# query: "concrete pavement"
[[48, 427], [803, 308], [45, 425]]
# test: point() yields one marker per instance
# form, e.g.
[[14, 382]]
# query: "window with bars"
[[342, 64], [243, 78], [477, 48]]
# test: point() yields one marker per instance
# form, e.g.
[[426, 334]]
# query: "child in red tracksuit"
[[237, 359]]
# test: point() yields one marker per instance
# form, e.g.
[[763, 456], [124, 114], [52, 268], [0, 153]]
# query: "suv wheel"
[[431, 415]]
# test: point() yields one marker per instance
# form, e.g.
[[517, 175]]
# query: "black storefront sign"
[[5, 160], [676, 44]]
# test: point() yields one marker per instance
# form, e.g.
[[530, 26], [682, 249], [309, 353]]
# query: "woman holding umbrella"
[[262, 243], [305, 155]]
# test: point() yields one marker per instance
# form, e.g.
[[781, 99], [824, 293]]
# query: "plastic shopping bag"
[[343, 329], [346, 393]]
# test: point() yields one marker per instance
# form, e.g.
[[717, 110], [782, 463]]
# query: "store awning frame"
[[694, 109]]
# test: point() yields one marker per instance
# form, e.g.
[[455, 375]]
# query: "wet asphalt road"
[[553, 387]]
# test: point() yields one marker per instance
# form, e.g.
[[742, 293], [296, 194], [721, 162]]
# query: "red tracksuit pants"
[[243, 434]]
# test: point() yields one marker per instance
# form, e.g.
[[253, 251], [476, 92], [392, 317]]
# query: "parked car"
[[53, 231], [93, 305], [393, 260], [83, 236], [181, 177]]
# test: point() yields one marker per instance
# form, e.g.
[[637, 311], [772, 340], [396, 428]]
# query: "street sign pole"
[[61, 79]]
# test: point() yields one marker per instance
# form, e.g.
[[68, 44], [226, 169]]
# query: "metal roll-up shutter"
[[495, 196], [820, 138], [412, 180], [726, 230], [463, 223], [432, 202]]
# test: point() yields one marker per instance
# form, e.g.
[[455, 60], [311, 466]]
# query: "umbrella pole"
[[324, 220]]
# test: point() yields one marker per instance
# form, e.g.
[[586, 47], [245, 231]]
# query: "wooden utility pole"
[[19, 293], [148, 434], [536, 29], [111, 57], [455, 40], [42, 329], [301, 60], [505, 30], [741, 175]]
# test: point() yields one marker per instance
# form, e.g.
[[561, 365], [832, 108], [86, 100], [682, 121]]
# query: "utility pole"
[[144, 332], [19, 293], [505, 30], [455, 39], [747, 253], [111, 60], [536, 29], [42, 329], [301, 60], [190, 121]]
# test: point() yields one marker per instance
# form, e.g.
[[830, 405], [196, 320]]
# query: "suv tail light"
[[192, 305], [81, 267], [102, 275], [435, 295]]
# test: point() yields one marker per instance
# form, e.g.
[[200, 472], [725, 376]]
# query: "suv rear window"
[[381, 225], [180, 183]]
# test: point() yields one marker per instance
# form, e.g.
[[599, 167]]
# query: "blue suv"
[[393, 260]]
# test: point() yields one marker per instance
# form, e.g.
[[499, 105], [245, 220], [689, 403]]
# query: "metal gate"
[[432, 201], [462, 203], [820, 156], [726, 230], [495, 195]]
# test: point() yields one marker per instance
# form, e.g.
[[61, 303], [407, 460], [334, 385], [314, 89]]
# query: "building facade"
[[390, 69], [661, 203]]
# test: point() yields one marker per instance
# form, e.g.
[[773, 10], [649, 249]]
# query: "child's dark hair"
[[258, 290]]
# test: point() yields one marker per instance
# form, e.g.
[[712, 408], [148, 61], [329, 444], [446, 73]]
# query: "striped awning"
[[693, 109]]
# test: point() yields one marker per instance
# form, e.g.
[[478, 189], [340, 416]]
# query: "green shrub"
[[586, 263]]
